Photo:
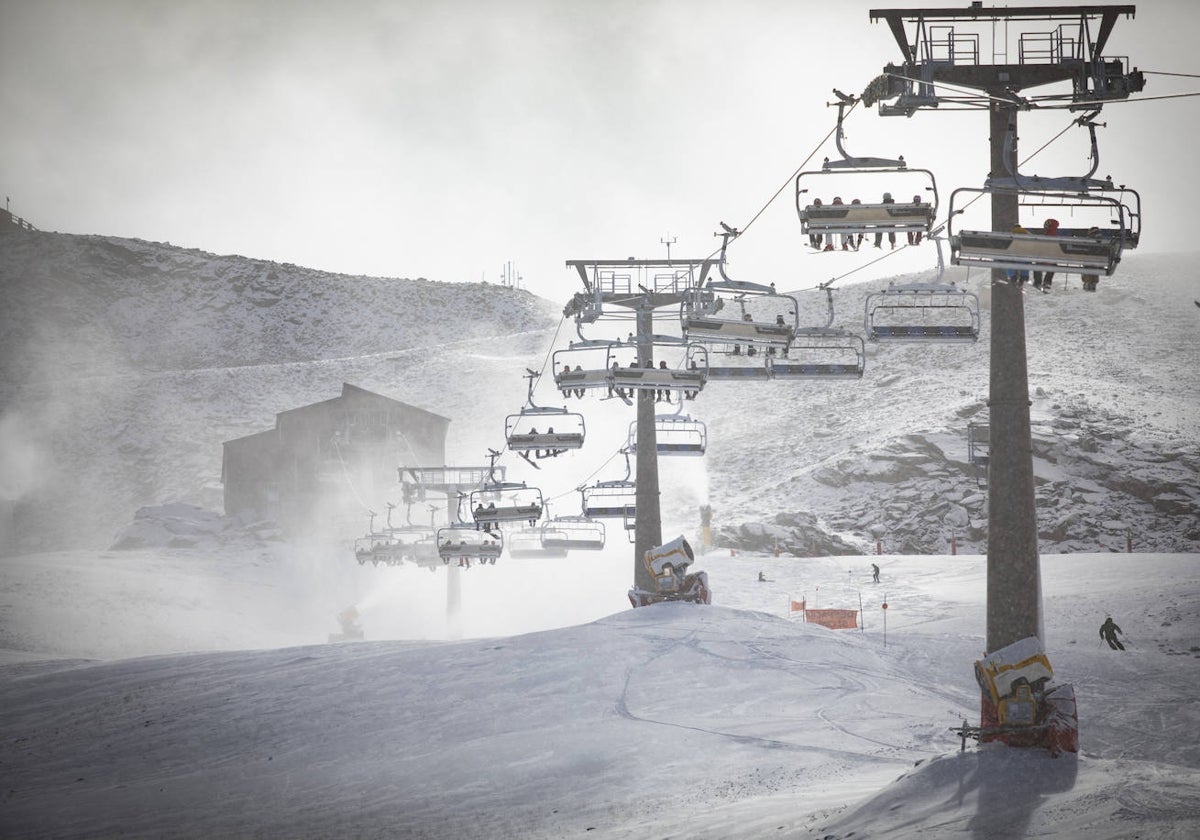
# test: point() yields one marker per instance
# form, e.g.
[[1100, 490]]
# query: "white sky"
[[441, 140]]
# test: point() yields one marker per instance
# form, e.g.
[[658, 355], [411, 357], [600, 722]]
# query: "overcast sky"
[[441, 140]]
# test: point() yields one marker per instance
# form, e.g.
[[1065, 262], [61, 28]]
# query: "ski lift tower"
[[633, 289], [943, 65]]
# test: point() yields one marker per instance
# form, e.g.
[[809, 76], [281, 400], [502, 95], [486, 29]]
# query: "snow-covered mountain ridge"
[[87, 305]]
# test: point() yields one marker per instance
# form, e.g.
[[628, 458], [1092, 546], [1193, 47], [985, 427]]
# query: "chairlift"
[[496, 501], [614, 499], [824, 352], [674, 434], [609, 499], [545, 431], [572, 533], [707, 317], [406, 545], [1086, 248], [685, 374], [462, 541], [852, 175], [737, 362], [526, 543], [922, 312], [584, 365], [1105, 219], [397, 544], [365, 547]]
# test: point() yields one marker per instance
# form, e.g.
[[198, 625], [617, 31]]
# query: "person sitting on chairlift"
[[1013, 275], [856, 239], [814, 239], [662, 393], [1091, 281], [914, 236], [887, 199], [579, 391], [1042, 280], [566, 392]]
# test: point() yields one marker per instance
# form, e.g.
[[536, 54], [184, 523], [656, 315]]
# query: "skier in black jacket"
[[1109, 631]]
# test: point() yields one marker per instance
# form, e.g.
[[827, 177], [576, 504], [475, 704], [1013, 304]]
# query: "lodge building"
[[330, 459]]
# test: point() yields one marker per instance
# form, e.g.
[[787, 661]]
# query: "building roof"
[[361, 394]]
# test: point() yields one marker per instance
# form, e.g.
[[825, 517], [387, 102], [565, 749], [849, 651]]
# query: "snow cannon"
[[668, 564], [351, 630], [1020, 706]]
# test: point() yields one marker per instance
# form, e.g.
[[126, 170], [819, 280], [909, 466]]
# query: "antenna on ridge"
[[668, 243]]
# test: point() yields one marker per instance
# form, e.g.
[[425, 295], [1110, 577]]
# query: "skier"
[[874, 573], [1109, 631], [761, 576]]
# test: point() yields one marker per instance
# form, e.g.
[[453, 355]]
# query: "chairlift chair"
[[1105, 219], [462, 541], [1083, 249], [822, 352], [674, 434], [541, 429], [769, 325], [610, 499], [527, 543], [572, 533], [583, 366], [922, 312], [563, 431], [686, 376], [373, 546], [506, 501], [849, 176], [495, 501], [364, 549]]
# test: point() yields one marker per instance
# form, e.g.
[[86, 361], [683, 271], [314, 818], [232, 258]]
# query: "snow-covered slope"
[[727, 721], [184, 688]]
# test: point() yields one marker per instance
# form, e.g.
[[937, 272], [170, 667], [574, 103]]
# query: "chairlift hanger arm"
[[1083, 182], [849, 161], [728, 283]]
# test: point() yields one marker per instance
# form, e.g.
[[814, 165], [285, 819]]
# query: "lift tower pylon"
[[611, 292], [942, 49]]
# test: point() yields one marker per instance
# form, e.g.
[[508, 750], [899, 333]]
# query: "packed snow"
[[167, 671], [564, 713]]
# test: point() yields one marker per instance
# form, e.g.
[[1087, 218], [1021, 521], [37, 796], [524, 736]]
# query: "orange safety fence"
[[833, 619]]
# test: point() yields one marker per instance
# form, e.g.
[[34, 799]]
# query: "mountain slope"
[[127, 364]]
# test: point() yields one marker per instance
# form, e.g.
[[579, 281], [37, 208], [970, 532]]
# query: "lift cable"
[[1165, 73], [788, 181]]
